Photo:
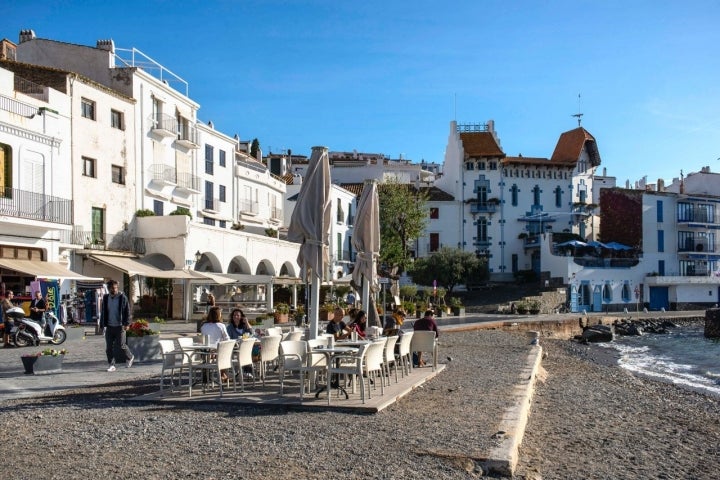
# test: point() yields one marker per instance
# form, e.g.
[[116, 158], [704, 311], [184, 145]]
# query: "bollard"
[[534, 337]]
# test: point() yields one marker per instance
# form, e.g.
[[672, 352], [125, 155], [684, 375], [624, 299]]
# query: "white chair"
[[244, 358], [172, 359], [405, 354], [222, 361], [269, 349], [292, 336], [373, 365], [188, 357], [425, 341], [389, 358], [315, 364], [355, 368], [274, 331], [291, 358]]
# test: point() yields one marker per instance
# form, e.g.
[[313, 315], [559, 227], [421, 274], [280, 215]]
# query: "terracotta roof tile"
[[434, 193], [480, 144], [570, 145]]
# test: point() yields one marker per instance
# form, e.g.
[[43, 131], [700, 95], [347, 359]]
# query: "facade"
[[504, 204]]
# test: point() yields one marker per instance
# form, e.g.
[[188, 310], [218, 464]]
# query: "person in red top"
[[426, 323]]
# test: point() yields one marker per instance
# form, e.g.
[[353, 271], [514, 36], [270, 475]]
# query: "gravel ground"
[[589, 420]]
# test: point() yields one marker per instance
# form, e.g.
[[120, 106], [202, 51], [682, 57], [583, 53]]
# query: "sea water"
[[683, 357]]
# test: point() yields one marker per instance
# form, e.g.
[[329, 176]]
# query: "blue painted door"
[[574, 299], [659, 298], [597, 299]]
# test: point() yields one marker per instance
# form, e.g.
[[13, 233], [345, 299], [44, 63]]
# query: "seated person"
[[337, 327], [214, 328], [239, 325], [426, 323], [394, 322], [359, 323]]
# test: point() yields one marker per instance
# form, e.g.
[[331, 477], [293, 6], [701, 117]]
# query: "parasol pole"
[[314, 306], [365, 294]]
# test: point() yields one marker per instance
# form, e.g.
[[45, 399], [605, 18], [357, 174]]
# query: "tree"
[[403, 218], [450, 267], [254, 148]]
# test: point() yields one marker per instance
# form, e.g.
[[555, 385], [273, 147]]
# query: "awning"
[[133, 266], [43, 269], [284, 280], [228, 278]]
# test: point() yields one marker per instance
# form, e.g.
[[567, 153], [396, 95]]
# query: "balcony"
[[30, 89], [35, 206], [17, 107], [188, 135], [188, 182], [276, 213], [211, 204], [163, 174], [163, 125], [122, 242], [697, 245], [483, 207], [248, 207], [704, 214]]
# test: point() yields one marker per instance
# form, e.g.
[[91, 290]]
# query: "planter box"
[[43, 364], [145, 348], [458, 311]]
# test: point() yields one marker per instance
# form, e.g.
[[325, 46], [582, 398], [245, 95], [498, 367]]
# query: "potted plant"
[[282, 310], [325, 311], [534, 307], [522, 307], [299, 315], [143, 341], [44, 362], [458, 309]]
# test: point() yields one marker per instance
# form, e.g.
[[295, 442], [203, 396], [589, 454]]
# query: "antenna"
[[579, 114]]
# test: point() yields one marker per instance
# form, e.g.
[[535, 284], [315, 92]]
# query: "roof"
[[508, 161], [480, 144], [570, 146], [433, 193]]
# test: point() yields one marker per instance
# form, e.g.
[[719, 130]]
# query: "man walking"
[[7, 321], [38, 306], [115, 320]]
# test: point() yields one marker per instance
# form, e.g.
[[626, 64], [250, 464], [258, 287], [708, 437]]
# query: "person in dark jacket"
[[115, 320], [426, 323]]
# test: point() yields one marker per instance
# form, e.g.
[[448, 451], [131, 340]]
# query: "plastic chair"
[[355, 368], [172, 359], [269, 349], [222, 361], [425, 341], [274, 331], [389, 358], [292, 336], [315, 364], [244, 358], [188, 357], [291, 358], [405, 354], [373, 366]]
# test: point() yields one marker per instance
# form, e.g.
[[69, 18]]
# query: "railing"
[[188, 181], [27, 87], [483, 207], [212, 204], [122, 242], [606, 262], [697, 245], [248, 206], [276, 212], [188, 133], [163, 173], [15, 106], [164, 122], [700, 214], [35, 206], [351, 220]]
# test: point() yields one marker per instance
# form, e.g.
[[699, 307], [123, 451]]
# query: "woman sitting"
[[239, 325], [359, 323], [214, 328], [394, 322]]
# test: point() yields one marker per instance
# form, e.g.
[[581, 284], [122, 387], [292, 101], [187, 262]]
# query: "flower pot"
[[281, 317], [43, 364], [458, 311], [145, 348]]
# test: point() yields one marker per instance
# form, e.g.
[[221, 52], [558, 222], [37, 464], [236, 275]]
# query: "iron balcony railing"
[[164, 122], [29, 88], [188, 133], [212, 204], [276, 212], [188, 181], [699, 214], [35, 206], [17, 107], [122, 242], [486, 207], [248, 206], [697, 245], [163, 173]]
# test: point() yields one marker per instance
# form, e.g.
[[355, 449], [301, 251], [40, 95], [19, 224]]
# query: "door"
[[597, 298], [574, 299], [98, 225], [659, 298]]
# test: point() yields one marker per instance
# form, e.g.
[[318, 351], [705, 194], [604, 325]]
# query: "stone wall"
[[712, 323]]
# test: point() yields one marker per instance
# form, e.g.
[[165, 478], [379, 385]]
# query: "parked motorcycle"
[[30, 332]]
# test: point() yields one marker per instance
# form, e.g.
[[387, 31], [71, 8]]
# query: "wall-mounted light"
[[198, 256]]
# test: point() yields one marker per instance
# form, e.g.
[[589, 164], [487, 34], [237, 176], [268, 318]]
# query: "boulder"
[[598, 333]]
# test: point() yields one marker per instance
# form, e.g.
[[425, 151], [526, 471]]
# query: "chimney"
[[26, 35], [604, 171], [660, 185], [108, 45]]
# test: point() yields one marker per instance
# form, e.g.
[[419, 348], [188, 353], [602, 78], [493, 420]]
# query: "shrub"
[[145, 212], [182, 211]]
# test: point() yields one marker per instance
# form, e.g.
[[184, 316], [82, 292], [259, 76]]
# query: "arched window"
[[626, 292], [607, 293]]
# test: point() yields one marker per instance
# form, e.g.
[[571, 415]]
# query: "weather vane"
[[578, 115]]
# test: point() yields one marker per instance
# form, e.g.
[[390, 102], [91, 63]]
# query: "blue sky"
[[389, 76]]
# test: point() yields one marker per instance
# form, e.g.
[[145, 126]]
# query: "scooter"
[[30, 332]]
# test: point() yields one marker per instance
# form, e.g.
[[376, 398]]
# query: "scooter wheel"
[[21, 341], [59, 337]]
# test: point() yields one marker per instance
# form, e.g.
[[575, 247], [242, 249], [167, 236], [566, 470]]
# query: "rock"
[[598, 333]]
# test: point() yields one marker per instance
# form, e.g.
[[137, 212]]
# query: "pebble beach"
[[589, 419]]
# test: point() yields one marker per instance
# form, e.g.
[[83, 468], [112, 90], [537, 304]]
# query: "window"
[[481, 165], [659, 211], [221, 160], [607, 293], [661, 240], [482, 195], [97, 223], [536, 195], [158, 207], [626, 292], [118, 174], [434, 213], [209, 152], [514, 195], [221, 192], [5, 170], [88, 167], [209, 221], [116, 120], [222, 224], [469, 166], [661, 268], [493, 165], [482, 227], [209, 187], [558, 197], [434, 242], [87, 108], [514, 262]]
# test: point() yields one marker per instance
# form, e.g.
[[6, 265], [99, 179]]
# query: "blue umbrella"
[[617, 246], [572, 243], [595, 244]]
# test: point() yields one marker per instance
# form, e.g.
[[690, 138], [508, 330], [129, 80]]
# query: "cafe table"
[[334, 354]]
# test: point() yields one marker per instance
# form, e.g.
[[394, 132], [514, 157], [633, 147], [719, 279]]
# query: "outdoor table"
[[333, 354], [199, 349]]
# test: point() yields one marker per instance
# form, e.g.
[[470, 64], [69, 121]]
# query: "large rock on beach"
[[712, 323], [598, 333]]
